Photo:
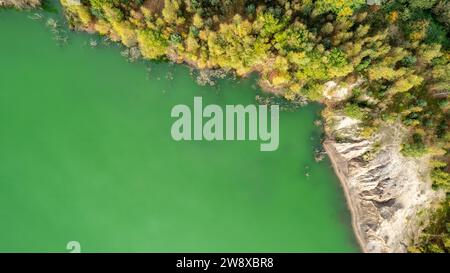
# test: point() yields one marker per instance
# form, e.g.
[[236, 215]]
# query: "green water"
[[86, 155]]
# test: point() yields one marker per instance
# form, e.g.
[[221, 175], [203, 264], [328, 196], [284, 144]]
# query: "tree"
[[354, 111], [294, 38], [152, 44], [102, 27], [442, 13], [125, 31], [422, 4], [342, 8], [405, 83], [383, 72], [415, 148], [441, 179], [428, 52], [170, 12]]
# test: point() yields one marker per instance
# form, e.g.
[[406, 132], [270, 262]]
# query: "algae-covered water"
[[86, 155]]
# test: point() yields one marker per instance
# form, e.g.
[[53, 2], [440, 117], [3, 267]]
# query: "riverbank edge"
[[265, 86], [339, 165]]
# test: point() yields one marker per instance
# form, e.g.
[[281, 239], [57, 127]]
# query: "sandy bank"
[[341, 170]]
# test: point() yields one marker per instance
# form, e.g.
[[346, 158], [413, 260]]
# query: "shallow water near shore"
[[87, 155]]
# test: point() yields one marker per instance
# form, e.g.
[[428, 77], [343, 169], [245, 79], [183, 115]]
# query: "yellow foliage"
[[170, 11], [393, 17], [84, 15], [420, 32], [405, 84], [367, 132], [289, 95], [281, 79], [197, 21], [383, 72], [295, 87], [102, 27], [428, 52], [146, 12], [125, 31], [151, 44], [204, 35], [192, 44]]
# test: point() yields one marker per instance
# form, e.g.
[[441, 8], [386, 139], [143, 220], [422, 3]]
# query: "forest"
[[395, 56]]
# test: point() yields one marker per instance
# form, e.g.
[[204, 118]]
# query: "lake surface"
[[86, 155]]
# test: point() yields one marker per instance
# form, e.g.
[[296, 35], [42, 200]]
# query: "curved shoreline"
[[339, 166]]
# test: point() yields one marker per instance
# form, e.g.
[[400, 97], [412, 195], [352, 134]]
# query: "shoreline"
[[359, 212], [331, 152], [265, 87], [338, 166]]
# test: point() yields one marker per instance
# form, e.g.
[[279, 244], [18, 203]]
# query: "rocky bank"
[[388, 194], [20, 3]]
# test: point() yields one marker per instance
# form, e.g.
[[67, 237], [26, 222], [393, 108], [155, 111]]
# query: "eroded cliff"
[[20, 3], [389, 194]]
